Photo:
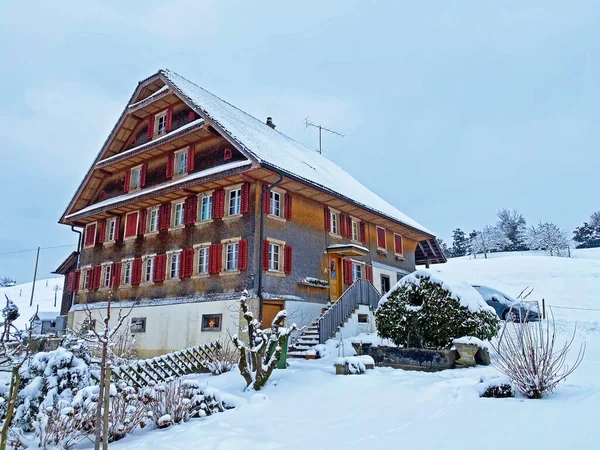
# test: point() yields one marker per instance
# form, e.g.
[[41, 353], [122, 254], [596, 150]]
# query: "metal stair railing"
[[362, 292]]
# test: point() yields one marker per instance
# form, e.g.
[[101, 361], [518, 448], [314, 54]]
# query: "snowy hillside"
[[43, 297], [308, 406]]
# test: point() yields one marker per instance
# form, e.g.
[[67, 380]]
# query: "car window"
[[490, 294]]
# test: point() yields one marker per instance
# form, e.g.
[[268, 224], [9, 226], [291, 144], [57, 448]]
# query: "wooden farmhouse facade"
[[191, 200]]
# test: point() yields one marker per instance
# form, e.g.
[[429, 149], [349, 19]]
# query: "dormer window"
[[181, 162], [161, 123]]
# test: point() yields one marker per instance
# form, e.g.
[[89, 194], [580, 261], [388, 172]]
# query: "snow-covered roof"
[[272, 148], [45, 316]]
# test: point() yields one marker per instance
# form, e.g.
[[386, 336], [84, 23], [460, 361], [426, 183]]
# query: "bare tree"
[[527, 355], [258, 358]]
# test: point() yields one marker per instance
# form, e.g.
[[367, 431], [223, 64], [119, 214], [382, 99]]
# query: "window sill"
[[382, 251], [335, 235], [278, 218], [200, 276], [235, 216], [178, 227], [204, 222], [110, 242], [103, 289], [173, 280], [214, 330], [276, 273], [125, 286], [400, 257], [178, 175], [229, 272], [354, 241], [146, 283], [151, 233], [129, 238]]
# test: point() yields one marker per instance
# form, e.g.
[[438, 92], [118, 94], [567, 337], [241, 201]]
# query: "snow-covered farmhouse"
[[191, 200]]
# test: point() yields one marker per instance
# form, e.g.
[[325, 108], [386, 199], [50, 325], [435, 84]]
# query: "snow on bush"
[[496, 386], [425, 311]]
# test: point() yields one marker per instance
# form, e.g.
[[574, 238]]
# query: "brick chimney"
[[270, 122]]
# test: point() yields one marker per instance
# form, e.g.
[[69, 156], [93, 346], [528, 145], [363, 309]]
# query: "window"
[[211, 322], [275, 204], [136, 178], [203, 260], [161, 123], [181, 164], [235, 197], [355, 230], [111, 225], [398, 246], [231, 257], [206, 207], [86, 278], [385, 284], [274, 257], [335, 223], [178, 215], [357, 270], [174, 266], [138, 325], [363, 318], [127, 265], [106, 271], [149, 269], [153, 220], [381, 238]]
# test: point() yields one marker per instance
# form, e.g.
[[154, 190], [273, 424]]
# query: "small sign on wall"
[[138, 325]]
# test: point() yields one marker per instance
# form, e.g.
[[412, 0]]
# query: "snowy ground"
[[43, 296], [308, 407]]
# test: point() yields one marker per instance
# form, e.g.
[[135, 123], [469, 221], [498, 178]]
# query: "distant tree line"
[[511, 233]]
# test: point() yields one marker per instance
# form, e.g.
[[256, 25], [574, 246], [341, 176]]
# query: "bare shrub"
[[123, 346], [171, 403], [129, 410], [225, 359], [62, 425], [527, 355]]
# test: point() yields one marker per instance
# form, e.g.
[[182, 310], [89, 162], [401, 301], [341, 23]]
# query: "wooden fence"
[[172, 365]]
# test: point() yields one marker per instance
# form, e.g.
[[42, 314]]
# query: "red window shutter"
[[143, 175], [131, 224], [267, 202], [90, 234], [245, 198], [398, 248], [115, 275], [265, 255], [97, 276], [190, 210], [150, 133], [160, 267], [189, 264], [170, 164], [182, 261], [117, 227], [243, 255], [215, 258], [102, 231], [369, 272], [142, 222], [77, 275], [164, 216], [136, 271], [218, 203], [347, 271], [191, 116], [287, 259], [362, 233], [343, 225], [327, 219], [349, 226], [287, 213], [70, 277], [380, 238], [169, 123], [190, 157], [126, 181]]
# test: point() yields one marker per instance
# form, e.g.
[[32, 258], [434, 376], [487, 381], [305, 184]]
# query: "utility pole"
[[37, 258], [308, 123]]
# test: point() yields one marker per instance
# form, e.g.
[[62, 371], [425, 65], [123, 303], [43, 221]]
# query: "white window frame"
[[111, 229], [157, 120], [234, 205], [181, 204], [206, 200], [149, 259], [106, 272], [202, 250], [87, 272], [132, 178], [276, 203], [355, 224], [173, 258], [334, 221], [275, 257], [154, 209], [361, 269], [176, 162], [402, 245], [127, 271], [377, 228], [232, 249]]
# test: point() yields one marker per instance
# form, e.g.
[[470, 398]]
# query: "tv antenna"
[[309, 123]]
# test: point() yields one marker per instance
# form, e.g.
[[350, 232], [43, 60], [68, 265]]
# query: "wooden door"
[[270, 310], [335, 278]]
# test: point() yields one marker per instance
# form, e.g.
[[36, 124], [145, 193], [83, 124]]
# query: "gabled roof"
[[267, 146]]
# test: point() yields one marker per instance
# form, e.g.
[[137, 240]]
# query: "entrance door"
[[335, 277], [270, 310]]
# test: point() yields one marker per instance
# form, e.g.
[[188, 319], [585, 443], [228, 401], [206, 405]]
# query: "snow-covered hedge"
[[426, 311]]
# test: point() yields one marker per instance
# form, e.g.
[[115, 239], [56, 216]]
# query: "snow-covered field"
[[43, 296], [308, 407]]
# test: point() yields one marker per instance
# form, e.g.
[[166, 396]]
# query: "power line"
[[35, 249]]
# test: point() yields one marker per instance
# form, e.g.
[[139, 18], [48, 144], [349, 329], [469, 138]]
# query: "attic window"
[[161, 123]]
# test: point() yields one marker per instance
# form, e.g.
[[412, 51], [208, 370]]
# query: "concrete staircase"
[[308, 339]]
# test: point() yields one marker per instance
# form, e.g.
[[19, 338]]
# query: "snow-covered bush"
[[495, 387], [527, 356], [424, 311], [128, 411], [62, 425], [49, 377], [223, 360], [171, 403], [206, 401]]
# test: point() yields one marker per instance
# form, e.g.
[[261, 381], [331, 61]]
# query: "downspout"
[[260, 242], [78, 261]]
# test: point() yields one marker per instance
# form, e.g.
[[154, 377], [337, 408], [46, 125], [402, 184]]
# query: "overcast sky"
[[450, 110]]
